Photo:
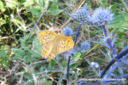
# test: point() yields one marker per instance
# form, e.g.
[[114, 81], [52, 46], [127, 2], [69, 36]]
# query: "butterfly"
[[53, 44]]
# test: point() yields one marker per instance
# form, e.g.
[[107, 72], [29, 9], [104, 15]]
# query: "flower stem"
[[68, 64], [78, 32], [123, 53], [112, 48], [113, 69], [108, 40]]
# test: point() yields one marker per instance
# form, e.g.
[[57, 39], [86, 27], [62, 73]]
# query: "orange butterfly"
[[53, 44]]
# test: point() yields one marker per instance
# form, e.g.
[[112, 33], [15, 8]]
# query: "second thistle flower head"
[[68, 31], [82, 15], [102, 16], [84, 46]]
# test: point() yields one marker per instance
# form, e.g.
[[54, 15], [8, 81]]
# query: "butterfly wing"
[[49, 50], [59, 45], [52, 54], [46, 36], [65, 43]]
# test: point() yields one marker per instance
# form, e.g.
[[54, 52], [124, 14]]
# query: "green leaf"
[[54, 10], [77, 56], [34, 54], [121, 22], [51, 64], [28, 3], [19, 53], [114, 6], [4, 58], [104, 3], [73, 66], [28, 58], [36, 45], [2, 21], [2, 8], [36, 11], [64, 63], [26, 40], [3, 54], [48, 83]]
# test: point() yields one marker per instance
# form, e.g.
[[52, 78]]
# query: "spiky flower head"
[[82, 15], [84, 46], [67, 31], [102, 16]]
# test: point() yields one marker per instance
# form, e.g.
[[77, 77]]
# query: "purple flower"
[[84, 46], [68, 31], [102, 16], [82, 15]]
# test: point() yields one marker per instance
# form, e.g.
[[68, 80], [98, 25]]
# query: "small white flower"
[[95, 65]]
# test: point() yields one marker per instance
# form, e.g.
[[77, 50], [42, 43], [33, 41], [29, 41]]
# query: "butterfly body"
[[53, 44]]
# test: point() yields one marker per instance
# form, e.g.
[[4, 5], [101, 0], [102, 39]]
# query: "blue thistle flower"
[[102, 16], [68, 31], [82, 15], [84, 46]]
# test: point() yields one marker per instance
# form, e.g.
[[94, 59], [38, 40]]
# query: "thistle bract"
[[82, 15]]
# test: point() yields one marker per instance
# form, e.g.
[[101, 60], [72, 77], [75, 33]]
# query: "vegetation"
[[99, 29]]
